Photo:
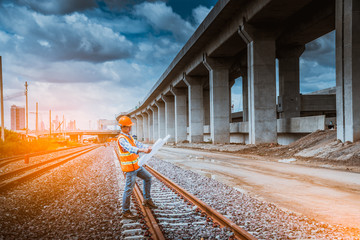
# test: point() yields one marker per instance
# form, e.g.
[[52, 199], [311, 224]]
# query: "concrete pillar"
[[180, 114], [245, 95], [169, 117], [150, 124], [231, 84], [289, 81], [261, 84], [219, 99], [134, 127], [348, 70], [196, 107], [140, 131], [206, 97], [161, 119], [155, 121], [145, 126]]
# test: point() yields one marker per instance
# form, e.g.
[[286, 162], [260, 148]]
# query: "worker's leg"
[[129, 186], [146, 176]]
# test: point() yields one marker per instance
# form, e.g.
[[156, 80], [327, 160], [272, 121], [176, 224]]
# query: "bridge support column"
[[155, 123], [150, 122], [169, 117], [139, 128], [161, 119], [134, 127], [245, 95], [289, 81], [206, 98], [219, 99], [145, 126], [180, 114], [261, 84], [196, 108], [347, 70]]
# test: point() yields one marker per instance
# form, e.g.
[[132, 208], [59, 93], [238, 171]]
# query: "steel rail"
[[33, 166], [7, 185], [212, 213], [150, 219], [8, 160]]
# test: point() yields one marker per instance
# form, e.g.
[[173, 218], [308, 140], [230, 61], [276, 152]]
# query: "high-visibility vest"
[[129, 161]]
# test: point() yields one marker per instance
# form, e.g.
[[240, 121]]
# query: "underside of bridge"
[[243, 38]]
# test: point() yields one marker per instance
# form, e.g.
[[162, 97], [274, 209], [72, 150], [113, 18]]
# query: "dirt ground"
[[320, 149], [315, 176]]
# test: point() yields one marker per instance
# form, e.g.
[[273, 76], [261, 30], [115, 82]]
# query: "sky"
[[90, 59]]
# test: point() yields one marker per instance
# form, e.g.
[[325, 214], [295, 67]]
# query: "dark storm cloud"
[[69, 37], [321, 50], [317, 64], [55, 6]]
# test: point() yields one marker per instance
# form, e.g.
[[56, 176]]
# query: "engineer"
[[129, 149]]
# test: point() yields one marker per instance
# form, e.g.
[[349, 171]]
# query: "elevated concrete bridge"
[[76, 135], [242, 38]]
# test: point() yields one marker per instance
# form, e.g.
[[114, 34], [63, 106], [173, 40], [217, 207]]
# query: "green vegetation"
[[15, 145]]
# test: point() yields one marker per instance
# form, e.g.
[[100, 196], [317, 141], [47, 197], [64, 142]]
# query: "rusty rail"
[[7, 185], [212, 213], [150, 219]]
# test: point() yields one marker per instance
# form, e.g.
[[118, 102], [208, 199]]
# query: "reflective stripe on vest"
[[129, 161]]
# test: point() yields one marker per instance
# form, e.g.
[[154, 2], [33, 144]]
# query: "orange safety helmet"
[[125, 121]]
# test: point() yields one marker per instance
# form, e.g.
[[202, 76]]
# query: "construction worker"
[[129, 156]]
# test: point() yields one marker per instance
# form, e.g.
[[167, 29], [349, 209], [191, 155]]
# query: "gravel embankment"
[[80, 200], [263, 220]]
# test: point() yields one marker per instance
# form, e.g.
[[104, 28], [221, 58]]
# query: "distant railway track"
[[179, 212], [8, 160], [16, 177]]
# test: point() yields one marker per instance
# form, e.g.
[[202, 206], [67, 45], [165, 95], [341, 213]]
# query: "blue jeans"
[[129, 186]]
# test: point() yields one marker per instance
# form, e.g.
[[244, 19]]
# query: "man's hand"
[[146, 150]]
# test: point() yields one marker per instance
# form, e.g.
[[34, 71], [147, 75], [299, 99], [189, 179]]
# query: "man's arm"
[[131, 149]]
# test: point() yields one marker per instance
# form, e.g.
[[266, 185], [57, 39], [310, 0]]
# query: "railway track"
[[180, 215], [16, 177], [8, 160]]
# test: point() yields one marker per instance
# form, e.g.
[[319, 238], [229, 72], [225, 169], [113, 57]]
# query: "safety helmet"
[[125, 121]]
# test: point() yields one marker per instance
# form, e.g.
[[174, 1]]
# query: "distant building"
[[17, 117], [71, 125], [42, 126], [104, 124]]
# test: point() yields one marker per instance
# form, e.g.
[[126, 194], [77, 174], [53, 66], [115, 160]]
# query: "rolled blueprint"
[[157, 145]]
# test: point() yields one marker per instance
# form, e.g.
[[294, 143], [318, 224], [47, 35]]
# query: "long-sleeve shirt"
[[128, 147]]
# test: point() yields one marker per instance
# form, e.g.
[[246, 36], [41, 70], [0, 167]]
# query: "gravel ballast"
[[263, 220], [79, 200]]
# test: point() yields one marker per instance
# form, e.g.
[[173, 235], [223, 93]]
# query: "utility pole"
[[50, 123], [2, 104], [27, 109], [37, 119]]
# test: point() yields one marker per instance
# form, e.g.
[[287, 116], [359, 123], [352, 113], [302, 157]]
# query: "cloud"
[[69, 37], [162, 18], [200, 13], [49, 7], [321, 50]]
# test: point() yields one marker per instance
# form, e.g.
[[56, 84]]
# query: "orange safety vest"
[[129, 161]]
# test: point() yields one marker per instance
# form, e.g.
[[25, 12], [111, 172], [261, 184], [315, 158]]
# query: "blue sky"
[[91, 59]]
